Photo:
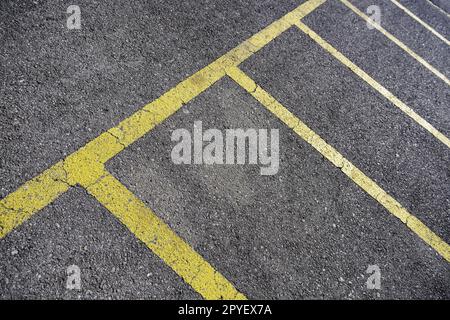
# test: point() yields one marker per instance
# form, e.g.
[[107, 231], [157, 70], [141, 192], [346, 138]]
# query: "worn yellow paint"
[[157, 111], [31, 197], [403, 46], [423, 23], [85, 168], [151, 230], [330, 153], [374, 84]]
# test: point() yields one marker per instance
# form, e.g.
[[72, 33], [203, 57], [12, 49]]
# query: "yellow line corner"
[[330, 153]]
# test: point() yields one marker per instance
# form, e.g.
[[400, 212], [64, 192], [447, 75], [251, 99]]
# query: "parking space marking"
[[397, 42], [33, 196], [330, 153], [158, 236], [86, 168], [423, 23], [374, 84]]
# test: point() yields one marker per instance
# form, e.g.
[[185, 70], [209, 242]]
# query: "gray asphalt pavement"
[[307, 232]]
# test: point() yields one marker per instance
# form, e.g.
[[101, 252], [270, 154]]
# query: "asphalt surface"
[[306, 232]]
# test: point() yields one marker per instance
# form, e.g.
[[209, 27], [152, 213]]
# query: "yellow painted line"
[[85, 166], [330, 153], [31, 197], [397, 42], [159, 238], [374, 84], [157, 111], [438, 8], [424, 24]]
